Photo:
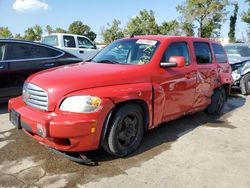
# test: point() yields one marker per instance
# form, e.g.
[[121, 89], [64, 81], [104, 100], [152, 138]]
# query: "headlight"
[[81, 104]]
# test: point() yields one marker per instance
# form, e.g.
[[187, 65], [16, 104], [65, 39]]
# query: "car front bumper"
[[65, 131]]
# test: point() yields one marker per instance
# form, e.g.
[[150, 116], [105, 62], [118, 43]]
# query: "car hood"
[[61, 81], [237, 59]]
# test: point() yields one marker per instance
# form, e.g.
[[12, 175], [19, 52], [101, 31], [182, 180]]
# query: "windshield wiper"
[[108, 61]]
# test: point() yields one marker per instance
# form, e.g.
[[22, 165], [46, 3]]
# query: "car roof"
[[162, 38], [68, 34]]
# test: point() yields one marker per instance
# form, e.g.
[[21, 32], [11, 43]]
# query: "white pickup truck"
[[77, 45]]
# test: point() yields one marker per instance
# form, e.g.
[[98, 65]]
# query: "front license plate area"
[[15, 119]]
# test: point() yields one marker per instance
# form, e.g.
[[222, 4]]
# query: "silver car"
[[239, 59]]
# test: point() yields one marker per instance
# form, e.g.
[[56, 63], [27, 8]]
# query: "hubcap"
[[128, 131]]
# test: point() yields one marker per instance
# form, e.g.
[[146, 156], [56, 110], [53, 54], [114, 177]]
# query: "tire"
[[245, 84], [125, 131], [217, 101]]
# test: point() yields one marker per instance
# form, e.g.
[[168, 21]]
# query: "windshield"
[[51, 40], [130, 51], [241, 51]]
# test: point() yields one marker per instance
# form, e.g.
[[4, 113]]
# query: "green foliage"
[[33, 33], [188, 29], [245, 16], [5, 32], [59, 30], [142, 24], [209, 14], [79, 28], [18, 36], [112, 32], [170, 28], [233, 19], [49, 29]]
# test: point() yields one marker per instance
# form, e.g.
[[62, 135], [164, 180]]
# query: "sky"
[[18, 15]]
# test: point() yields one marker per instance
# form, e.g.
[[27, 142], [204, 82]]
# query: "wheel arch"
[[141, 103]]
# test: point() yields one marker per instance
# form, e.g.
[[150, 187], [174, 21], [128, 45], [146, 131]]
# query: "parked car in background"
[[19, 59], [131, 86], [77, 45], [239, 59]]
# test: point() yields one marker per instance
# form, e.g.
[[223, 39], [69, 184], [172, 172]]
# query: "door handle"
[[81, 51], [49, 64]]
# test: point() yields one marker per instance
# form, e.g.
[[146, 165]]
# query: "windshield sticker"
[[147, 42]]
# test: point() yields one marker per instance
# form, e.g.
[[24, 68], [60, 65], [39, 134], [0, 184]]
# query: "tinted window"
[[84, 43], [129, 51], [2, 51], [28, 51], [69, 41], [177, 49], [219, 53], [50, 40], [202, 53]]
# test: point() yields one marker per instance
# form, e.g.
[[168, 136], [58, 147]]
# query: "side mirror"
[[174, 61]]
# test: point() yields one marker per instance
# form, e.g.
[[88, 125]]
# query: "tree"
[[29, 34], [18, 36], [245, 16], [33, 33], [5, 32], [59, 30], [170, 28], [91, 35], [142, 24], [38, 32], [112, 32], [79, 28], [49, 29], [209, 14], [233, 19], [188, 29]]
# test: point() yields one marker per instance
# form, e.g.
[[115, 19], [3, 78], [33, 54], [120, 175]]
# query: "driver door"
[[178, 83]]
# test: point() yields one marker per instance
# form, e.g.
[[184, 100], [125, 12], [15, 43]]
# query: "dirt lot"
[[195, 151]]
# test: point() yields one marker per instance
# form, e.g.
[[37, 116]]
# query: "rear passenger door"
[[206, 73]]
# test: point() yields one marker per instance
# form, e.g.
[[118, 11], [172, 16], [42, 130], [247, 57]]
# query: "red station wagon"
[[131, 86]]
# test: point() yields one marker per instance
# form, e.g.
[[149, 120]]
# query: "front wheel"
[[217, 101], [125, 131], [245, 84]]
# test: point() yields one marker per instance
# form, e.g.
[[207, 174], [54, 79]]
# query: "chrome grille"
[[35, 96]]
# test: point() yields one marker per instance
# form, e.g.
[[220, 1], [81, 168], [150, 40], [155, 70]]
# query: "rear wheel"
[[245, 84], [125, 131], [217, 101]]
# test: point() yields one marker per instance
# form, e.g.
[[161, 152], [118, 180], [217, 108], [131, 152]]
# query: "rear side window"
[[16, 51], [69, 41], [51, 40], [84, 43], [2, 51], [177, 49], [202, 53], [219, 53]]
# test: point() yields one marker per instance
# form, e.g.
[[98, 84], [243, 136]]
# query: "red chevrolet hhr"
[[131, 86]]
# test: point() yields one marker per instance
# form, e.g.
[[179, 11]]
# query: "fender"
[[118, 94]]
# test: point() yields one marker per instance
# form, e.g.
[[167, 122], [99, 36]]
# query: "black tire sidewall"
[[245, 89], [112, 141], [213, 108]]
